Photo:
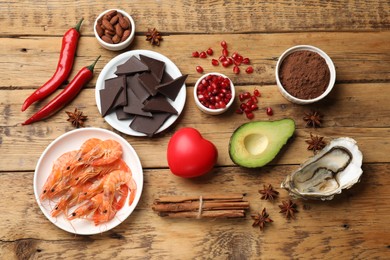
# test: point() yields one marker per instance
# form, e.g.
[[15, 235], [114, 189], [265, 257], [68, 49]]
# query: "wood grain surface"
[[355, 34]]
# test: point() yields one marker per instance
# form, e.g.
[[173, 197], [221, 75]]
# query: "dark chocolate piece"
[[149, 125], [159, 103], [166, 78], [149, 82], [171, 89], [156, 67], [108, 98], [122, 115], [136, 86], [131, 66], [112, 84], [134, 105]]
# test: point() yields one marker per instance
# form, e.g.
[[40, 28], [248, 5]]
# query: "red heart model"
[[189, 154]]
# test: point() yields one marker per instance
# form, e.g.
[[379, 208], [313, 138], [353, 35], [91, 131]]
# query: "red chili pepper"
[[65, 96], [64, 66]]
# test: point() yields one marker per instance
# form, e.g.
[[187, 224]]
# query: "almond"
[[118, 30], [109, 32], [106, 25], [116, 38], [114, 20], [124, 24], [110, 14], [106, 39], [99, 30], [125, 35]]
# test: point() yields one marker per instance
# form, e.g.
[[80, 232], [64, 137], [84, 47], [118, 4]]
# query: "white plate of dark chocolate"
[[140, 93]]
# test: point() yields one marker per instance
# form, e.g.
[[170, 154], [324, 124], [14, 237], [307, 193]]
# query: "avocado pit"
[[256, 144]]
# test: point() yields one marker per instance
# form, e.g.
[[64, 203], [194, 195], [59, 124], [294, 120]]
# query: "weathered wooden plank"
[[362, 57], [354, 110], [354, 224], [46, 18]]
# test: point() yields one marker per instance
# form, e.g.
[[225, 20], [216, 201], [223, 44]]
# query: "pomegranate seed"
[[246, 61], [269, 111], [222, 58], [249, 70], [236, 70], [243, 106], [225, 52], [250, 115], [226, 63], [239, 111], [257, 93], [195, 54], [247, 95], [247, 110], [254, 99], [199, 69], [254, 107], [230, 60], [234, 56], [215, 62], [210, 51], [203, 55], [224, 44], [241, 97]]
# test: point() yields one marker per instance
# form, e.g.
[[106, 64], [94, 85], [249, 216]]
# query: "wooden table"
[[355, 34]]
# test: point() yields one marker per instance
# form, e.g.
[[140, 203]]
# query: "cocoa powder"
[[304, 74]]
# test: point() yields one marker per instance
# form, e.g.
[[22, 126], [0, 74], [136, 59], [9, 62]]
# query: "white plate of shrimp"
[[88, 181]]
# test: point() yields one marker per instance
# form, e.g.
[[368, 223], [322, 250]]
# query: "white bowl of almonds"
[[114, 29]]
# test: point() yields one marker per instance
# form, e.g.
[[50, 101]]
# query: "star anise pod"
[[315, 143], [289, 208], [76, 118], [153, 36], [268, 193], [261, 219], [313, 119]]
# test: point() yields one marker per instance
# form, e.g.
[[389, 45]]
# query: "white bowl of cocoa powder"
[[114, 29], [305, 74]]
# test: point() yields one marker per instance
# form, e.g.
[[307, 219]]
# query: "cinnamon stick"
[[205, 214], [205, 206]]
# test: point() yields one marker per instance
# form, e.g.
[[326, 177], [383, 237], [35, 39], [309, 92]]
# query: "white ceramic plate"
[[71, 141], [108, 72]]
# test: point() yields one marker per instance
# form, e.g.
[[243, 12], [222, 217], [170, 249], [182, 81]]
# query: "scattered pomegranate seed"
[[199, 69], [247, 95], [236, 70], [226, 63], [222, 58], [203, 55], [215, 62], [269, 111], [254, 99], [210, 51], [250, 115], [225, 52], [195, 54], [224, 44], [239, 111], [256, 92], [246, 61], [249, 70]]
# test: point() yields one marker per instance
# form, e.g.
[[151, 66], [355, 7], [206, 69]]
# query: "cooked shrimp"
[[62, 168], [69, 199], [113, 183], [104, 153], [87, 146], [100, 171], [87, 208]]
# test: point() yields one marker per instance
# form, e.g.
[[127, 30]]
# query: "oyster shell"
[[334, 168]]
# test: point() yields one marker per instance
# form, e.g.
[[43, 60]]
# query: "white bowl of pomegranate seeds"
[[214, 93], [114, 29]]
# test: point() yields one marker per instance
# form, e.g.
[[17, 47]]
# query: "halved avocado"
[[255, 144]]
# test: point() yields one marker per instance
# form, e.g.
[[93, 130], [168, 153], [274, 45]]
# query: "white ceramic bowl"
[[329, 62], [116, 46], [206, 109]]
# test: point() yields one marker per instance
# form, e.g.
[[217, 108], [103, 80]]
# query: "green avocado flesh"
[[255, 144]]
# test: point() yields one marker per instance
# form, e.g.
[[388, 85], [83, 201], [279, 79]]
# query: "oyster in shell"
[[334, 168]]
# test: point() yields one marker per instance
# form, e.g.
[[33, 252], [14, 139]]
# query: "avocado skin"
[[277, 132]]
